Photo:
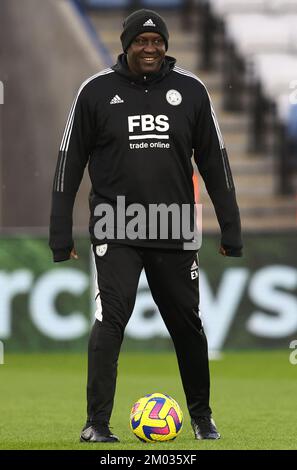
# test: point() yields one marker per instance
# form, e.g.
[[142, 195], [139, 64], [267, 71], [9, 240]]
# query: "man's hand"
[[73, 254], [222, 251], [230, 251]]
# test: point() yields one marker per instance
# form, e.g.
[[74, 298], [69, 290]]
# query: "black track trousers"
[[177, 296]]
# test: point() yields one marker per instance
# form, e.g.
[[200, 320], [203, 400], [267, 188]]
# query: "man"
[[136, 125]]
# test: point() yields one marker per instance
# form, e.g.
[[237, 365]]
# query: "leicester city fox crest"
[[173, 97], [101, 249]]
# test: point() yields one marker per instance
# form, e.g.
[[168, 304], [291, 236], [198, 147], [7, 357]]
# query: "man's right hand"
[[73, 254]]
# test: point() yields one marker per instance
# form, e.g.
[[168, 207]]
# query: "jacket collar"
[[121, 67]]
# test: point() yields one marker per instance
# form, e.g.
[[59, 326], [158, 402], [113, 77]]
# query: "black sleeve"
[[73, 156], [212, 160]]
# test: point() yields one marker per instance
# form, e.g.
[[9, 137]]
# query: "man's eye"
[[140, 42], [144, 42]]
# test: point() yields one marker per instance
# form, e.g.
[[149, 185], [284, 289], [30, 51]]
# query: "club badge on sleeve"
[[101, 249]]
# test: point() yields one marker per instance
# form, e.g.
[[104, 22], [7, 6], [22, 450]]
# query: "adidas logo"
[[149, 23], [116, 100], [194, 271], [194, 266]]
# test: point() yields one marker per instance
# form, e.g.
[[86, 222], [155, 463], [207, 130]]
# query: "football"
[[156, 417]]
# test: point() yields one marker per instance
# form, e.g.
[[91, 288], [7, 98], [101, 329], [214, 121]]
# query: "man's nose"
[[150, 46]]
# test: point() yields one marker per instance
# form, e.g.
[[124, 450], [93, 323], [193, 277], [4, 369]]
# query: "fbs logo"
[[148, 122]]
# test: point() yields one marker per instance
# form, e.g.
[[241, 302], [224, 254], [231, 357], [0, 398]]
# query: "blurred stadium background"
[[246, 54]]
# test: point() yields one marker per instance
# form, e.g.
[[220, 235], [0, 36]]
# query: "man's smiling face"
[[146, 53]]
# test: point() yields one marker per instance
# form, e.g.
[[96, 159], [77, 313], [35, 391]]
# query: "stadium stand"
[[248, 82], [205, 50], [259, 57], [223, 7], [270, 33], [47, 56]]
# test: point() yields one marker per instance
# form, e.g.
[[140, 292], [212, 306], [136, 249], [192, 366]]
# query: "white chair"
[[253, 33], [276, 72], [280, 6], [283, 106], [224, 7]]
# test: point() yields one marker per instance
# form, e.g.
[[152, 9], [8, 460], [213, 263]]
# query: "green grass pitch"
[[253, 396]]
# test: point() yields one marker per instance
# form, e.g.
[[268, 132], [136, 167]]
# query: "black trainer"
[[204, 427], [97, 433]]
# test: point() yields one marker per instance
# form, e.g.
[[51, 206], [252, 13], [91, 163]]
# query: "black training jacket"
[[137, 135]]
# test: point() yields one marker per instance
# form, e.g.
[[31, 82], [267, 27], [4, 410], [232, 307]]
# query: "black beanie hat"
[[143, 21]]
